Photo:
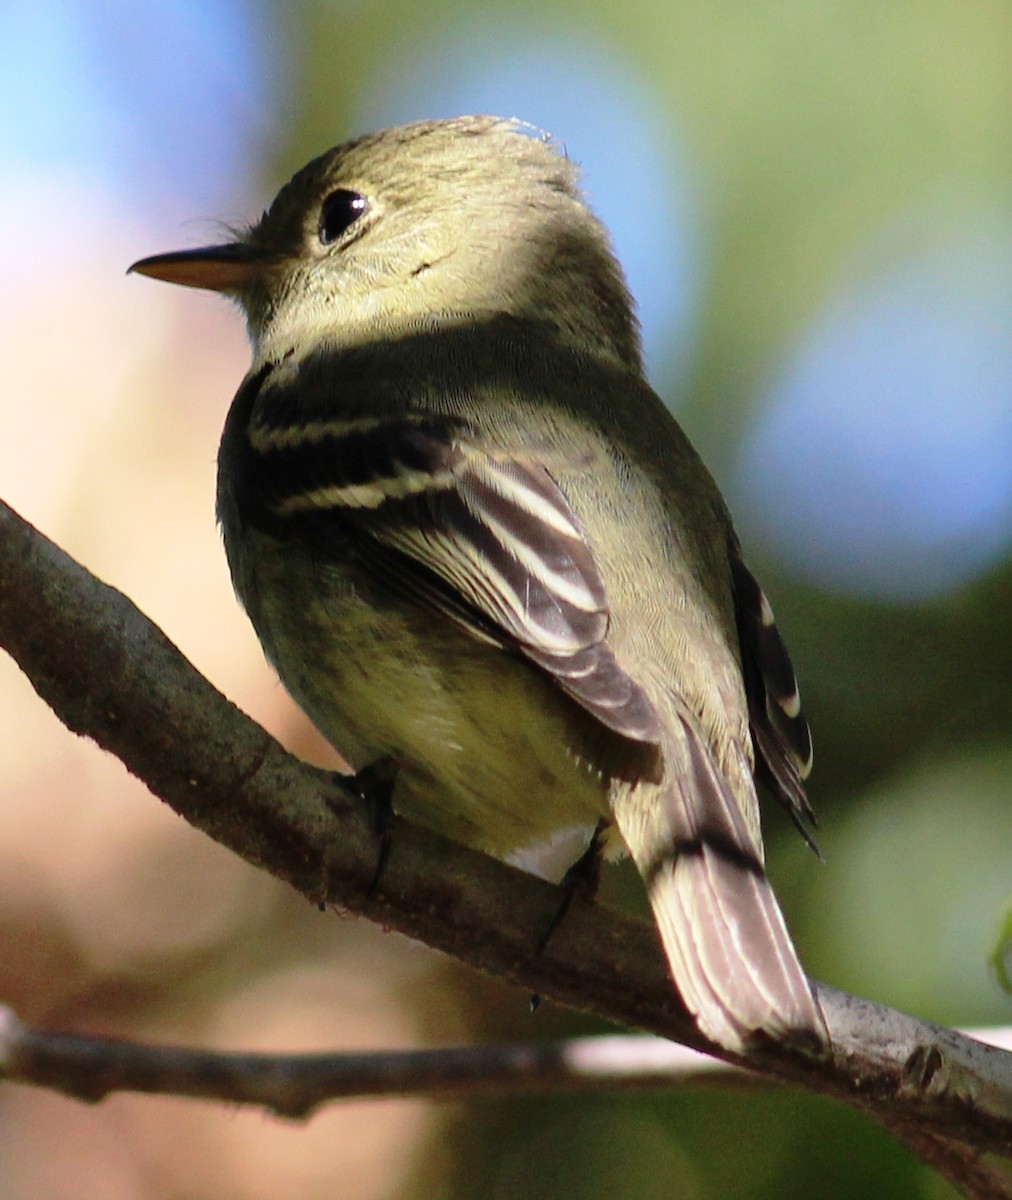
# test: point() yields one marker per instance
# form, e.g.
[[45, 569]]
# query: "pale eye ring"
[[339, 211]]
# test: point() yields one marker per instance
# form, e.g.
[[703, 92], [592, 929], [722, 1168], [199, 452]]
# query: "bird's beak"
[[227, 268]]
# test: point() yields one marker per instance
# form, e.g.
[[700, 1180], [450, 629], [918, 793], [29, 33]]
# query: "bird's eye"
[[340, 210]]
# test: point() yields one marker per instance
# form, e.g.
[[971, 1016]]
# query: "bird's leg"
[[375, 784], [583, 878]]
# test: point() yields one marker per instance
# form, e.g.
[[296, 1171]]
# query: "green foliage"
[[1001, 955]]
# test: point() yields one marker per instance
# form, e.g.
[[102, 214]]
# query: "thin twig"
[[965, 1168], [296, 1085]]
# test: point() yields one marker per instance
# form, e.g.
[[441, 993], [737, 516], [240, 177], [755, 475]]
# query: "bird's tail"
[[730, 954]]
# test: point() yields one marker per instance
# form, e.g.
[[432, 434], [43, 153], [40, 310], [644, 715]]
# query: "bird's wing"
[[780, 733], [488, 539]]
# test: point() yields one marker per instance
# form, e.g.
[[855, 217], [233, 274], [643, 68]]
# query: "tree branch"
[[110, 675]]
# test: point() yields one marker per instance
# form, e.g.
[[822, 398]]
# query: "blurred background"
[[814, 206]]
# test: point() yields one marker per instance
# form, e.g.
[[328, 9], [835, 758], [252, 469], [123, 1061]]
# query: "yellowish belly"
[[489, 752]]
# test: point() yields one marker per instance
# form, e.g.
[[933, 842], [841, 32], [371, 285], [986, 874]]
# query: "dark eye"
[[340, 210]]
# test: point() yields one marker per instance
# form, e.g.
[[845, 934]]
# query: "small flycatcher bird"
[[470, 537]]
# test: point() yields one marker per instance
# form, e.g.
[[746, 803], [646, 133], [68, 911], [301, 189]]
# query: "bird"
[[473, 540]]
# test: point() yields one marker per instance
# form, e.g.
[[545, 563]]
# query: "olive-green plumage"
[[470, 536]]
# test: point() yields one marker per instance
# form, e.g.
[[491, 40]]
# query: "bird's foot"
[[375, 784]]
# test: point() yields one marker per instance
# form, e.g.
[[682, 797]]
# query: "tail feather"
[[724, 935]]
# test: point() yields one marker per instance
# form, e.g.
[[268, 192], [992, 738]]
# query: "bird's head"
[[462, 218]]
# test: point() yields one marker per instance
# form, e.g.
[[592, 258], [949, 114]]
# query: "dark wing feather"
[[488, 539], [780, 734]]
